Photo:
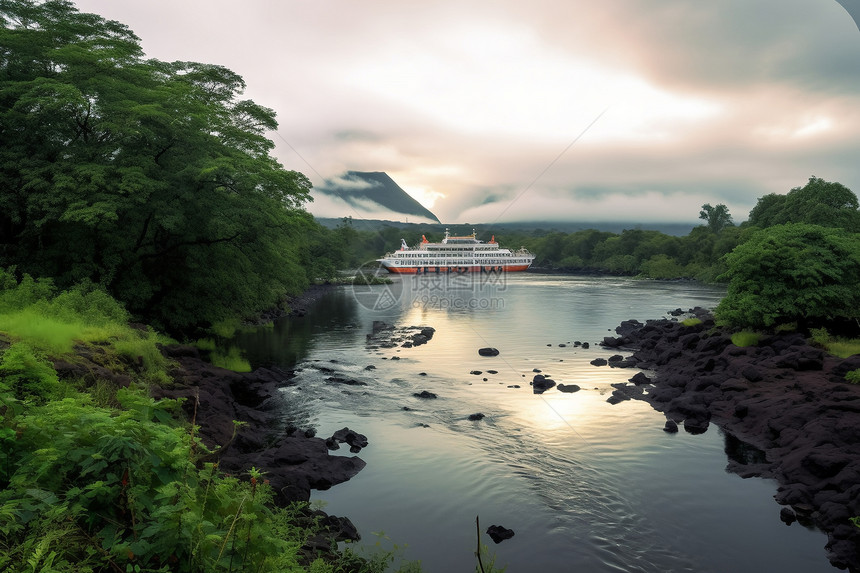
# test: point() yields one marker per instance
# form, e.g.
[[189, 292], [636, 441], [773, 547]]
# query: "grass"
[[42, 331], [746, 338], [843, 348], [231, 360]]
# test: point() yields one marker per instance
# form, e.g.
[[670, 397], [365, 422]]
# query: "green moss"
[[691, 322]]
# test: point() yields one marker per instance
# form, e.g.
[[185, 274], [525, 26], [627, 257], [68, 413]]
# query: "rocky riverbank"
[[240, 417], [784, 404]]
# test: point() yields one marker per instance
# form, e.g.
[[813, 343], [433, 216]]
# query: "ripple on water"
[[585, 485]]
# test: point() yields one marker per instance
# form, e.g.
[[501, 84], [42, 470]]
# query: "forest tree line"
[[155, 182], [636, 252]]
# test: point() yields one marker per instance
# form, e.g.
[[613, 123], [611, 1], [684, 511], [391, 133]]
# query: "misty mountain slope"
[[370, 192]]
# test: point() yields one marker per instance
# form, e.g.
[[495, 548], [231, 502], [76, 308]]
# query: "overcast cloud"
[[470, 106]]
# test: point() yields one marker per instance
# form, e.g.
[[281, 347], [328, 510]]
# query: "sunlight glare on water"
[[586, 486]]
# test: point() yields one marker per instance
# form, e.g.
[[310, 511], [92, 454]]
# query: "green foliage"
[[717, 217], [384, 556], [746, 338], [843, 348], [819, 336], [792, 273], [818, 202], [153, 179], [25, 375], [92, 488], [691, 322], [232, 359], [662, 267], [854, 377], [53, 323]]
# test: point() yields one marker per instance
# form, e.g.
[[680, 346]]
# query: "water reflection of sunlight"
[[554, 412], [456, 293]]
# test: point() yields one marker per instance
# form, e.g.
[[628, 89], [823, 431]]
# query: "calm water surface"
[[586, 486]]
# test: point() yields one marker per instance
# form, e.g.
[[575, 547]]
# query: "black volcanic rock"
[[294, 461], [541, 384], [784, 401], [498, 533]]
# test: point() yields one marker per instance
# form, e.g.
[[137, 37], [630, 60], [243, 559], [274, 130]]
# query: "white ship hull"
[[456, 255]]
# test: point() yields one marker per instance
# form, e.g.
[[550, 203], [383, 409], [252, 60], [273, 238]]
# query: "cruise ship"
[[456, 255]]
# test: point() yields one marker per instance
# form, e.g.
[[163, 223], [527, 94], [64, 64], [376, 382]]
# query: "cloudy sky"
[[498, 110]]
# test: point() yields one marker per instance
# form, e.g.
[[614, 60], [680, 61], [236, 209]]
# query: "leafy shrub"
[[15, 295], [820, 336], [25, 375], [94, 488], [792, 273], [662, 267], [853, 376], [50, 322]]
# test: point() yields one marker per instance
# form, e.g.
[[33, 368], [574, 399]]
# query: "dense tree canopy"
[[795, 273], [152, 178], [717, 218], [819, 202]]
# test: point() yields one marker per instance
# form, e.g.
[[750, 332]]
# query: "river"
[[585, 485]]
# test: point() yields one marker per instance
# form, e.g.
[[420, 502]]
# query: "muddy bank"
[[785, 398]]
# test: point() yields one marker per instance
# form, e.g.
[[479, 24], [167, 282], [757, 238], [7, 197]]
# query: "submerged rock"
[[488, 351], [499, 533], [541, 384]]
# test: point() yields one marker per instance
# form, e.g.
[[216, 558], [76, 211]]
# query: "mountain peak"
[[364, 191]]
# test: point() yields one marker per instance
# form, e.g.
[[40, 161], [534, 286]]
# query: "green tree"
[[767, 210], [792, 273], [819, 202], [717, 218], [153, 179]]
